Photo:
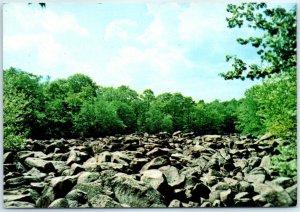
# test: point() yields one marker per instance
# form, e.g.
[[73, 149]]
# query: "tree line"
[[77, 107]]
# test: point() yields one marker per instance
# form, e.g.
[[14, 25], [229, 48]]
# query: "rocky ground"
[[163, 170]]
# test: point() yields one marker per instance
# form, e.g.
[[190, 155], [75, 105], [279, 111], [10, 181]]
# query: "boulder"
[[19, 204], [59, 203], [77, 195], [40, 164], [172, 175], [104, 201], [87, 177], [154, 177], [155, 163], [135, 193], [175, 203], [273, 194]]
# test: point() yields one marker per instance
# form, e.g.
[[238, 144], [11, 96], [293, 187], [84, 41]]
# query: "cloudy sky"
[[168, 47]]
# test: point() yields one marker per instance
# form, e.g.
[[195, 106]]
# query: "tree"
[[272, 105], [277, 46]]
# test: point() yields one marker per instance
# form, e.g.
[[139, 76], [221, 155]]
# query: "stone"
[[91, 189], [8, 157], [15, 182], [104, 201], [19, 204], [244, 186], [137, 163], [255, 178], [87, 177], [175, 203], [76, 168], [266, 163], [284, 182], [34, 175], [292, 191], [40, 164], [46, 198], [134, 193], [157, 152], [273, 194], [62, 185], [154, 177], [18, 197], [91, 165], [172, 175], [224, 195], [59, 203], [77, 195], [110, 165], [155, 163]]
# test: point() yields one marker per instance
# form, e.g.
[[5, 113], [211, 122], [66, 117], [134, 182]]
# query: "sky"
[[167, 47]]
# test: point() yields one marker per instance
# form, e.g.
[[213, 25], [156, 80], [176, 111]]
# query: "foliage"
[[277, 45], [271, 106]]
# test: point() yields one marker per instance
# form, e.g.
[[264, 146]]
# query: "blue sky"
[[167, 47]]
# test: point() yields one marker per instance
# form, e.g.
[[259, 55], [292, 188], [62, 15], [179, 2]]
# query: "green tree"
[[96, 119], [277, 45], [272, 104]]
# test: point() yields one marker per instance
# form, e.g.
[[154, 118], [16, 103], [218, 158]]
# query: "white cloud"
[[46, 19], [119, 30], [196, 22]]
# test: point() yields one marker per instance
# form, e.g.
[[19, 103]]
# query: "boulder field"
[[147, 171]]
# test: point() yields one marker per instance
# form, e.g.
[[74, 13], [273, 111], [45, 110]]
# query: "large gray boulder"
[[135, 193]]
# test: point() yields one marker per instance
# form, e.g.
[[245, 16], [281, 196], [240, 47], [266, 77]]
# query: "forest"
[[38, 108]]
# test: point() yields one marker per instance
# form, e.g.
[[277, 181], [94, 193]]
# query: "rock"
[[177, 133], [62, 185], [104, 201], [46, 198], [155, 163], [158, 152], [8, 157], [110, 165], [216, 203], [266, 163], [221, 186], [76, 168], [209, 138], [15, 182], [172, 175], [273, 194], [255, 178], [59, 203], [18, 204], [175, 203], [134, 193], [259, 200], [18, 197], [34, 175], [244, 186], [39, 164], [38, 186], [154, 177], [137, 163], [91, 165], [224, 195], [284, 182], [292, 191], [87, 177], [265, 137], [91, 189], [77, 195]]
